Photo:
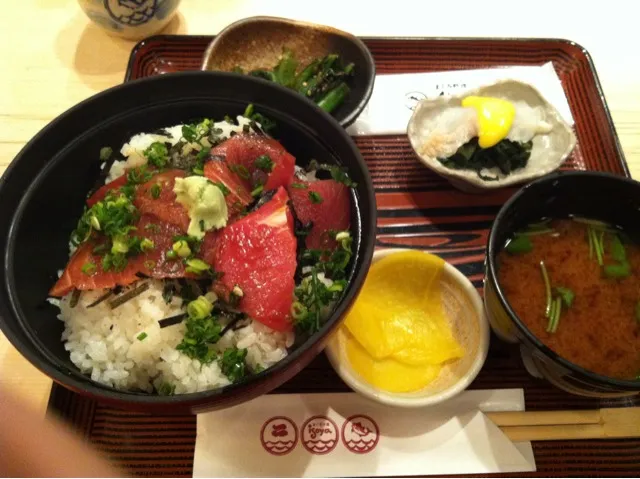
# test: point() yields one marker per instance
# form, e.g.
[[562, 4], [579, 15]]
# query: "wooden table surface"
[[53, 58]]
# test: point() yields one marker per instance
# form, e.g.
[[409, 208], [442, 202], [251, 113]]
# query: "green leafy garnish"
[[566, 294], [197, 266], [157, 154], [299, 186], [315, 197], [142, 336], [617, 271], [232, 363], [507, 156], [519, 244], [264, 163], [617, 250]]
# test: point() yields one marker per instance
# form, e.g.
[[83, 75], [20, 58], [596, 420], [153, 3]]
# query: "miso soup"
[[575, 283]]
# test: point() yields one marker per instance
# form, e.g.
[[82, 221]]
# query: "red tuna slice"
[[332, 213], [74, 277], [258, 254], [155, 262], [245, 149], [103, 190], [239, 195], [163, 205]]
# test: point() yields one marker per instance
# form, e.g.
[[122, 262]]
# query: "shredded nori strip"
[[234, 319], [75, 297], [264, 198], [101, 298], [172, 320], [132, 293]]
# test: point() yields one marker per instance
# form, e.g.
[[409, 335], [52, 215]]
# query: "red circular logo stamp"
[[279, 436], [360, 434], [319, 435]]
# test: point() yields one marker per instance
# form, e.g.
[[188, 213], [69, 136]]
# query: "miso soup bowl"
[[606, 197]]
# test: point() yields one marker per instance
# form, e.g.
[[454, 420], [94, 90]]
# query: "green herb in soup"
[[575, 283]]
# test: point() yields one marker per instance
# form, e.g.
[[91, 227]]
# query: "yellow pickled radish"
[[398, 322], [388, 374]]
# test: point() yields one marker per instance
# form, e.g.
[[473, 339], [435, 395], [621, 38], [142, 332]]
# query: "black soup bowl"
[[43, 191], [602, 196]]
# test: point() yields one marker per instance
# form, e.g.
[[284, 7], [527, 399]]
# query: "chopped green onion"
[[223, 188], [95, 223], [199, 308], [536, 232], [89, 268], [299, 311], [248, 111], [142, 336], [120, 245], [171, 254], [637, 312], [519, 245], [166, 389], [149, 264], [157, 154], [264, 163], [547, 288], [155, 191], [591, 245], [152, 227], [196, 266], [146, 244], [181, 248], [257, 191], [596, 244], [105, 153], [299, 186], [315, 197]]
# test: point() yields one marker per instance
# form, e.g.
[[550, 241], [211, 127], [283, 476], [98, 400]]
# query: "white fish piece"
[[439, 126]]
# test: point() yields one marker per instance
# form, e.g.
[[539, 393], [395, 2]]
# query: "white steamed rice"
[[103, 342]]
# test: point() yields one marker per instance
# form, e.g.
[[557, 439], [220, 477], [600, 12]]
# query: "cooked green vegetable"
[[323, 80], [232, 363], [519, 244], [507, 156], [618, 252], [334, 98], [617, 271]]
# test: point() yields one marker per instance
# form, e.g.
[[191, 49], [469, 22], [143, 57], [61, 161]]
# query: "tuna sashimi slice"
[[238, 195], [257, 253], [103, 190], [77, 276], [244, 150], [160, 200], [331, 210]]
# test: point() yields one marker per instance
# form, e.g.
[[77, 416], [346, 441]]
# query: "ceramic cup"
[[130, 19]]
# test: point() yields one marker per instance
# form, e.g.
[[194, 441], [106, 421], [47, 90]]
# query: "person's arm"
[[35, 447]]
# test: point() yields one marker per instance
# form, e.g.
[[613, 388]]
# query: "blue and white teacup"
[[130, 19]]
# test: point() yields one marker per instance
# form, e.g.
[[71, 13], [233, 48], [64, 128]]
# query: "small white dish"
[[464, 309], [549, 151]]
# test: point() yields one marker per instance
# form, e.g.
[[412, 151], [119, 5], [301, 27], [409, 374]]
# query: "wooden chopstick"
[[562, 425]]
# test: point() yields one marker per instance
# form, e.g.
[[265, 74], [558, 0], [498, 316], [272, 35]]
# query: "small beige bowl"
[[464, 309], [548, 152]]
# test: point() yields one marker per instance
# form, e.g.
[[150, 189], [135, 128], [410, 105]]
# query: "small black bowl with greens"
[[332, 68]]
